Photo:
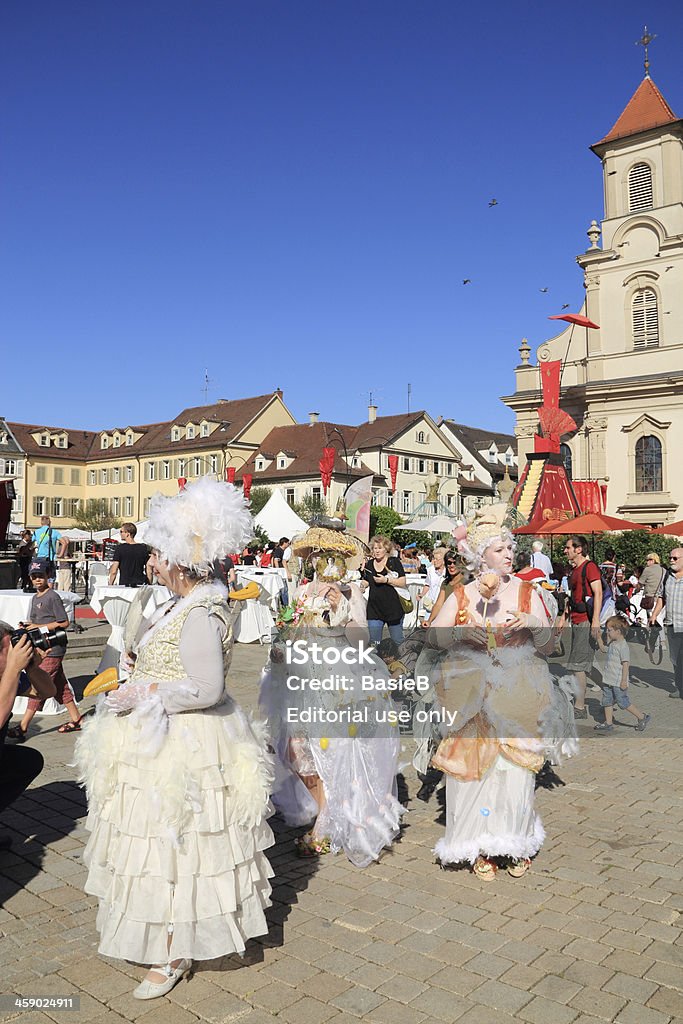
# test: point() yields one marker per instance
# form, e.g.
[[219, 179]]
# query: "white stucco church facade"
[[623, 383]]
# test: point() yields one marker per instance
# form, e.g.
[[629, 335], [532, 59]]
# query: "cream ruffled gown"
[[178, 798]]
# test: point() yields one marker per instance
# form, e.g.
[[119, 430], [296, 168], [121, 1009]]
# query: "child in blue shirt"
[[615, 677]]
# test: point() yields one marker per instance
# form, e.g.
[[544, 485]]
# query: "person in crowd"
[[267, 555], [650, 580], [46, 541], [508, 714], [670, 597], [343, 778], [539, 559], [64, 565], [436, 574], [178, 778], [583, 612], [47, 612], [453, 577], [525, 568], [24, 556], [249, 556], [409, 559], [20, 674], [615, 678], [130, 560], [380, 576]]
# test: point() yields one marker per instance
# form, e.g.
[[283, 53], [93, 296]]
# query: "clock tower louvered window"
[[640, 188], [645, 319]]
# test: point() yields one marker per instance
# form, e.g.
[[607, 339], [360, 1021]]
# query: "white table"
[[271, 582], [115, 602], [15, 606]]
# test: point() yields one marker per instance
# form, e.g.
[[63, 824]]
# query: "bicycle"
[[654, 645]]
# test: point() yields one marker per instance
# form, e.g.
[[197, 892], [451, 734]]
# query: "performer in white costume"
[[510, 714], [177, 777], [342, 775]]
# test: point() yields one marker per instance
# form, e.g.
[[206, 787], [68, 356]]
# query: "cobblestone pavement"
[[592, 934]]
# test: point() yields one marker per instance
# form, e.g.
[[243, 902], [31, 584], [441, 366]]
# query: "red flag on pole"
[[326, 465], [230, 474], [393, 470], [246, 485], [182, 480]]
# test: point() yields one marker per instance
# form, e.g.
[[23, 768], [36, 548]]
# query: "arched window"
[[566, 453], [640, 188], [648, 464], [645, 319]]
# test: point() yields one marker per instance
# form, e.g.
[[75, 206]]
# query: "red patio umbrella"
[[545, 528], [673, 529], [592, 522]]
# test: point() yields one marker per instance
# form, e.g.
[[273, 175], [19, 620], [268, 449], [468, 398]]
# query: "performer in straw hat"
[[329, 718], [177, 777]]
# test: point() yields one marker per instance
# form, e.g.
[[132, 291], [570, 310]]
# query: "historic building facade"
[[623, 383]]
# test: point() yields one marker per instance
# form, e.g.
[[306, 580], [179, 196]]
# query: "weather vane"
[[645, 41]]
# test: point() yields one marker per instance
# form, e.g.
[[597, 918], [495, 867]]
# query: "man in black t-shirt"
[[130, 560]]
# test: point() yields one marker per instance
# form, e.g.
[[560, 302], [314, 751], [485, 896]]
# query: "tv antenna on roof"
[[206, 387]]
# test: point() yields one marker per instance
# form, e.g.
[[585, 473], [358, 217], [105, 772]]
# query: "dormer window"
[[493, 454], [3, 437], [175, 433], [44, 441], [260, 465], [509, 458], [117, 440], [355, 462], [105, 442], [129, 440], [61, 441], [189, 433], [282, 463], [205, 430]]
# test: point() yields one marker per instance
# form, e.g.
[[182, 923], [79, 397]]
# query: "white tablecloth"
[[14, 608], [115, 602], [271, 582]]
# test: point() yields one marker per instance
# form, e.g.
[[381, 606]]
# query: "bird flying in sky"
[[544, 290], [566, 306], [493, 202], [467, 280]]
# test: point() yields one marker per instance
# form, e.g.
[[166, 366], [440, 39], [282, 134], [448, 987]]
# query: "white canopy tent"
[[437, 524], [278, 519], [75, 534]]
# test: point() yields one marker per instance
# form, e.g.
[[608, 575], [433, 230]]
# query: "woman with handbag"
[[382, 576], [650, 580]]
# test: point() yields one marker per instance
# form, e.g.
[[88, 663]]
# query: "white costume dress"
[[178, 794], [357, 765], [510, 717]]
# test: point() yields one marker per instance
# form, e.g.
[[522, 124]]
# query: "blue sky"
[[291, 193]]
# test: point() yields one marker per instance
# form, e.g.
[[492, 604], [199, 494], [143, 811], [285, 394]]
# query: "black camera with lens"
[[41, 639]]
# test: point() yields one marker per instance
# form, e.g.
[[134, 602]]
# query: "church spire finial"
[[645, 41]]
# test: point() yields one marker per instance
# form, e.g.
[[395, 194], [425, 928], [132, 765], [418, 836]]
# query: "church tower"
[[623, 383]]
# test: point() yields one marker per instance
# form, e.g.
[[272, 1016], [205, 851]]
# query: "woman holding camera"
[[47, 612]]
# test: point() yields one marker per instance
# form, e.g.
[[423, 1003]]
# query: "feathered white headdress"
[[205, 521]]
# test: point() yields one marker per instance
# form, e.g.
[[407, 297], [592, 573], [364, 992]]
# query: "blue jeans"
[[376, 628]]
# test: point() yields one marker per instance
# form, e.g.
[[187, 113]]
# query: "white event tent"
[[278, 519]]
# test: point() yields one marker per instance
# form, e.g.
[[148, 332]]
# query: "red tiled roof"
[[304, 441], [384, 429], [646, 109]]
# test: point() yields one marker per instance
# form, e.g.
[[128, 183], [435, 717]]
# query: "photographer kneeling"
[[19, 670]]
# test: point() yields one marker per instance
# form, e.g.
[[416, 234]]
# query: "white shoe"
[[152, 990]]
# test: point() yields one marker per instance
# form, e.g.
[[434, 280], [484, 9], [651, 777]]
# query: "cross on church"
[[645, 41]]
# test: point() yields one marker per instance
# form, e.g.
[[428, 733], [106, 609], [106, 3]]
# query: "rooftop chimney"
[[372, 413], [279, 392], [313, 417]]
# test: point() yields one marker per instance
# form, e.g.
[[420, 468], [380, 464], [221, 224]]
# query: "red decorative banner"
[[393, 470], [230, 474], [326, 465], [246, 485], [182, 480], [603, 494]]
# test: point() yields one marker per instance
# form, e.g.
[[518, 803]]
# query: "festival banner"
[[393, 470], [358, 501], [230, 474], [326, 465], [246, 485]]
